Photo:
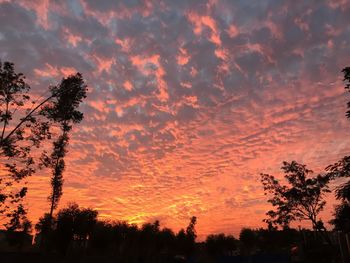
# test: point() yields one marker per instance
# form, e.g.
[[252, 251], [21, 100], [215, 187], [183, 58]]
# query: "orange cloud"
[[183, 57], [200, 21], [187, 104], [71, 38], [52, 72], [143, 63]]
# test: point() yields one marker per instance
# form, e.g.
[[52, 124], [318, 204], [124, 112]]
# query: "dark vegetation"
[[76, 231], [30, 122]]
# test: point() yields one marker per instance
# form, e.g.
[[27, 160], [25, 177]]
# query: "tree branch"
[[26, 118], [5, 120]]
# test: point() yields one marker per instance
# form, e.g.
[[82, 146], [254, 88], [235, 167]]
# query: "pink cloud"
[[187, 103]]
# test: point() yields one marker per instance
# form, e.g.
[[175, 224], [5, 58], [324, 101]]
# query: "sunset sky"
[[188, 102]]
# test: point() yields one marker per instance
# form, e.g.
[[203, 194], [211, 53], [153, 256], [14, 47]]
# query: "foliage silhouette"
[[301, 199], [341, 169], [341, 220], [219, 245], [248, 240], [268, 240], [72, 224], [26, 123], [19, 235], [62, 110], [77, 232], [186, 239], [16, 142]]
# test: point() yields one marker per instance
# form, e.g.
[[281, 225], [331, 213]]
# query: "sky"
[[188, 102]]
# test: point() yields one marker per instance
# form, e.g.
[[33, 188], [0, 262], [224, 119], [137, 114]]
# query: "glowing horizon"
[[189, 101]]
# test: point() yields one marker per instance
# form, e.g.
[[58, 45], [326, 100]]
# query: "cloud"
[[188, 100]]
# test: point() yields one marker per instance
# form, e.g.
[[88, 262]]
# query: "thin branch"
[[26, 118], [30, 114], [5, 120]]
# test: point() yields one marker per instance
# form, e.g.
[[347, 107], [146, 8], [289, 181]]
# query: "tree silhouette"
[[272, 240], [341, 169], [19, 237], [186, 239], [72, 224], [248, 239], [301, 199], [62, 110], [25, 124], [190, 230], [76, 233], [220, 244], [341, 220], [22, 130], [44, 231]]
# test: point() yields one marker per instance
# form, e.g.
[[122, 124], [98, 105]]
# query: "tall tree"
[[301, 199], [62, 110]]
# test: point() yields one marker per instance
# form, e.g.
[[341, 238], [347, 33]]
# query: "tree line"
[[77, 232]]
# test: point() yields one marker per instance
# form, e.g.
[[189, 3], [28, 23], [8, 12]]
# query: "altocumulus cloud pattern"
[[188, 100]]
